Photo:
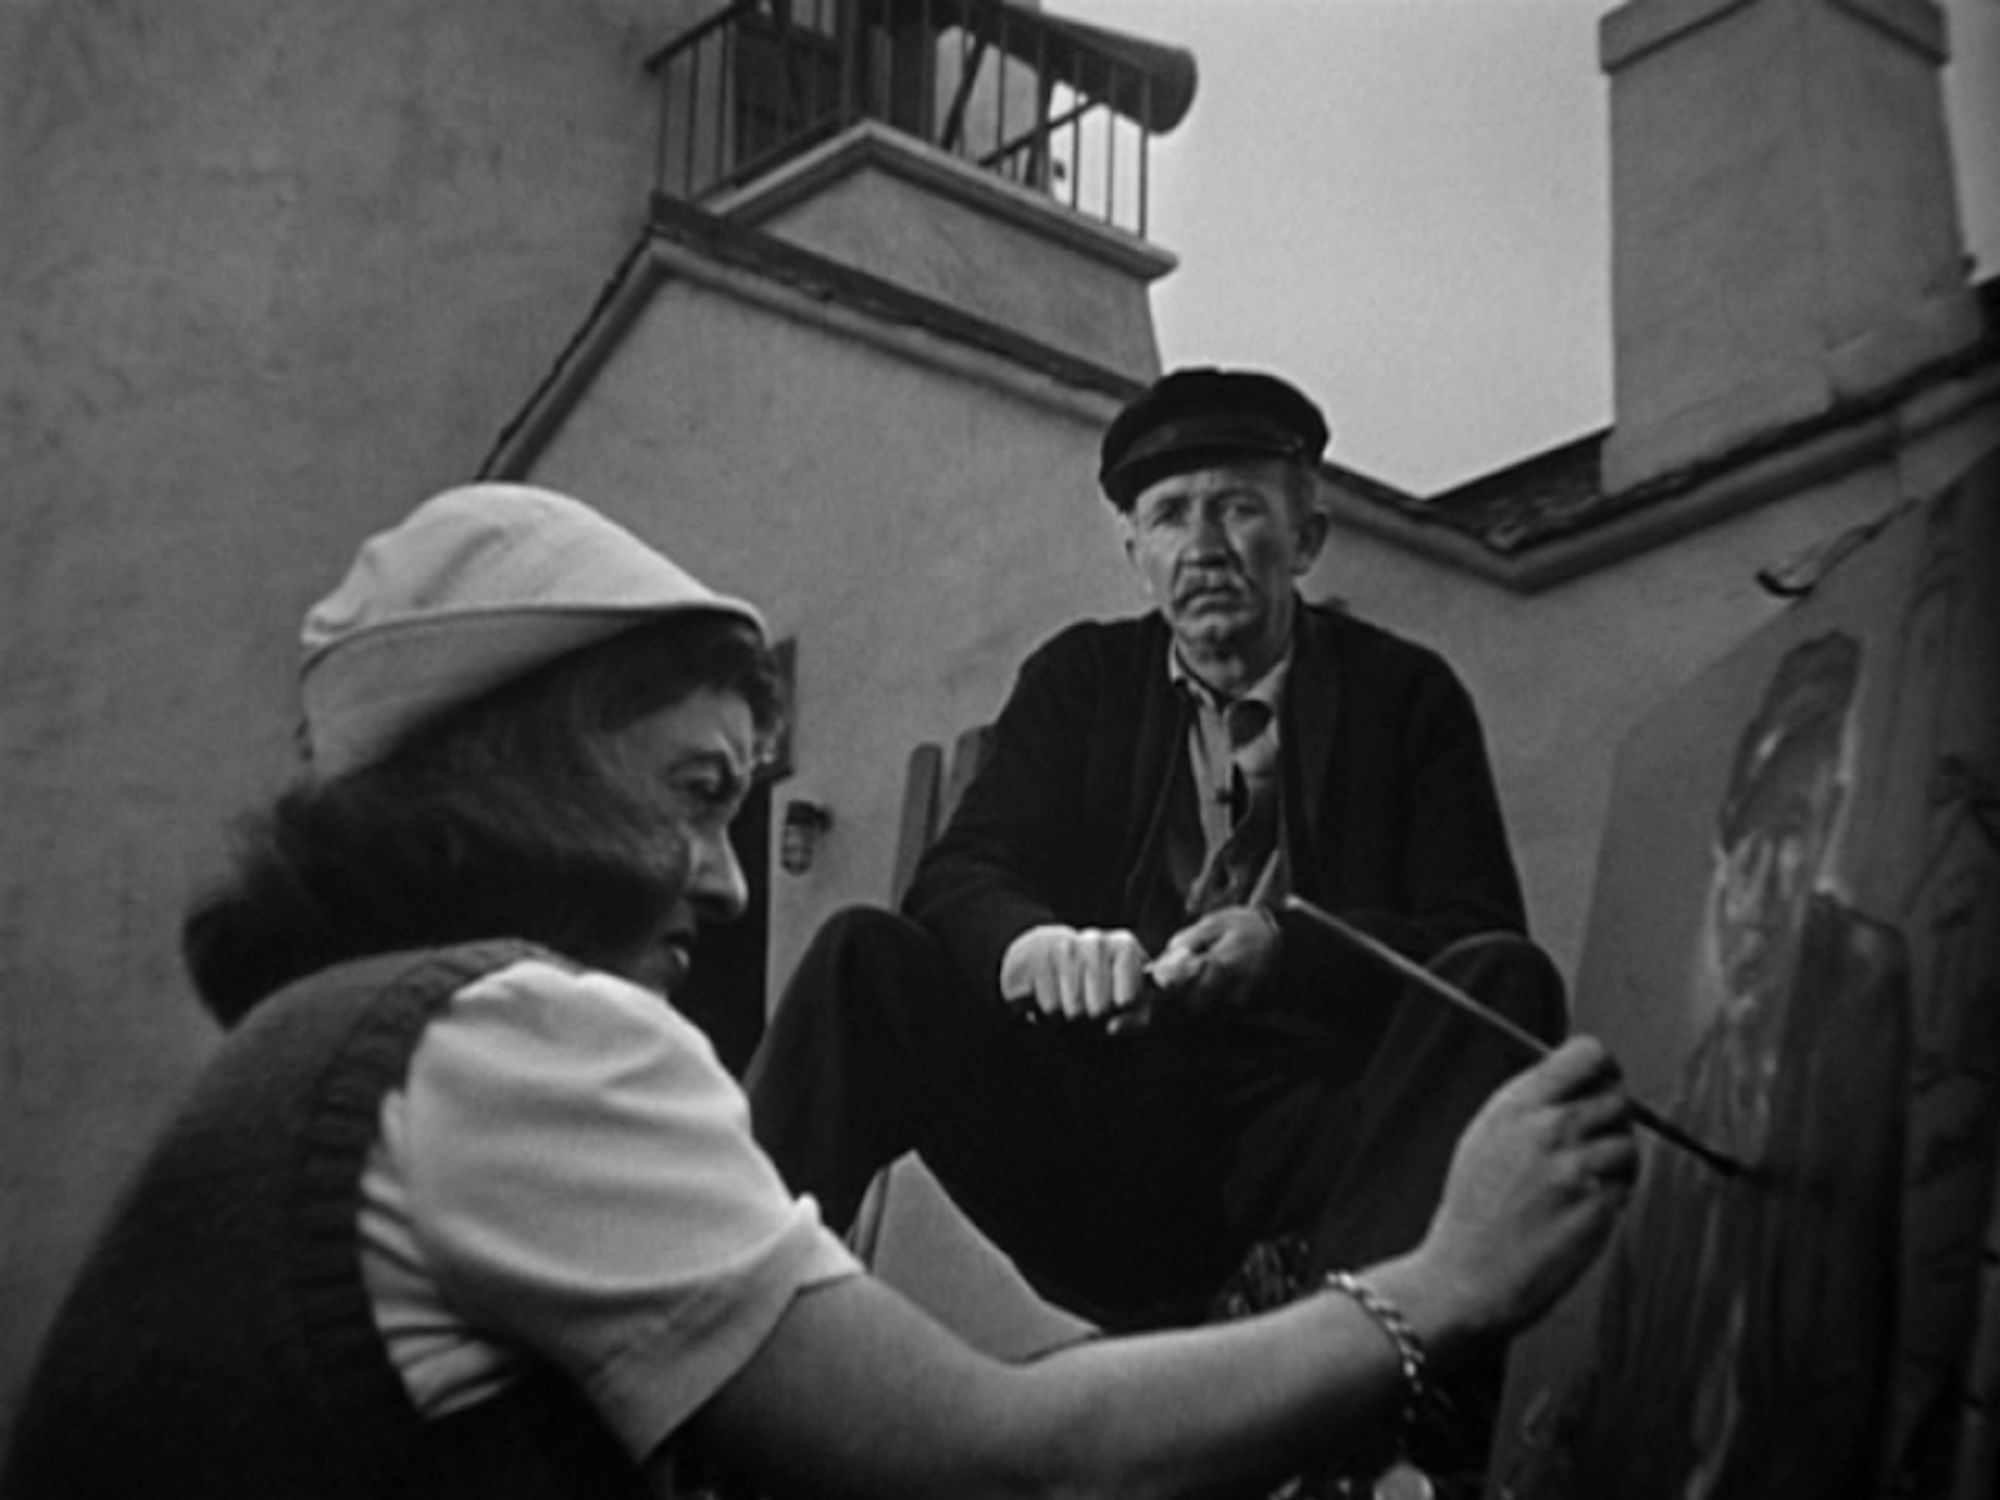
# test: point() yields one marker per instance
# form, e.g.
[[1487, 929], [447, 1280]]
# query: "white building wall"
[[269, 273]]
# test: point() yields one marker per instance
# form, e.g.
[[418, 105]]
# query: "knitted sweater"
[[219, 1340]]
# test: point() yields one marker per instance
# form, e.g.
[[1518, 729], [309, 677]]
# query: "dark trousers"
[[1128, 1175]]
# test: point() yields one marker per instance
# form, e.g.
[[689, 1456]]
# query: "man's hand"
[[1218, 959], [1060, 971]]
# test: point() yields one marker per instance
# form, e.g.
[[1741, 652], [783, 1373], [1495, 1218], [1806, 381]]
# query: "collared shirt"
[[1233, 759]]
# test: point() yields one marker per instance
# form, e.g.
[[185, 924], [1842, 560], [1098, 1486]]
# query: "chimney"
[[1785, 234]]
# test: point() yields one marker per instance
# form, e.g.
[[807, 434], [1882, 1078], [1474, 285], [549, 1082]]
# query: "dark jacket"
[[219, 1341], [1390, 809]]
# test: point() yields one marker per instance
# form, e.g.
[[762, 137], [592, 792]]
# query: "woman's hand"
[[1536, 1185]]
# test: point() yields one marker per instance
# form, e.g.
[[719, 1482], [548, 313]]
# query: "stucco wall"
[[935, 225], [269, 273]]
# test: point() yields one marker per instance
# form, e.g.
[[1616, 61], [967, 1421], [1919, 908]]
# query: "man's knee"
[[1512, 975], [873, 979], [866, 925], [844, 1012], [862, 952]]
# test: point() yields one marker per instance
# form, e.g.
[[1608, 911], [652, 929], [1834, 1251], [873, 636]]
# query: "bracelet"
[[1409, 1348]]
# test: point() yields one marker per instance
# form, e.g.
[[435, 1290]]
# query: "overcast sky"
[[1403, 205]]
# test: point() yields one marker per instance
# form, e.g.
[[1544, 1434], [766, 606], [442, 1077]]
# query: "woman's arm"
[[858, 1393]]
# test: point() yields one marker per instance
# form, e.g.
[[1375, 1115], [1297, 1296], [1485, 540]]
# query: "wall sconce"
[[798, 839]]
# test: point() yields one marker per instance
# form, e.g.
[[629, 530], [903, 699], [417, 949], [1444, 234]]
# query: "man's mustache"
[[1207, 579]]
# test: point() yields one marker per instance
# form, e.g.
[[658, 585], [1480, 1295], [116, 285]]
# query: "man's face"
[[697, 758], [1767, 877], [1219, 549]]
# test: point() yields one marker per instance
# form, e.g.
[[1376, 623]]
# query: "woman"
[[461, 1206]]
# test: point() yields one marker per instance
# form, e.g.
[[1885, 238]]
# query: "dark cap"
[[1190, 418], [1803, 718]]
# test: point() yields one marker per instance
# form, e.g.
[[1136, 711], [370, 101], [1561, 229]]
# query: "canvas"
[[1794, 950]]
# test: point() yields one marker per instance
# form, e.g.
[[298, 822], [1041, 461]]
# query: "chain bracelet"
[[1409, 1348]]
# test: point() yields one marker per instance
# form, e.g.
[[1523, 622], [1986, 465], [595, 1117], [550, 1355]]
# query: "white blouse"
[[568, 1174]]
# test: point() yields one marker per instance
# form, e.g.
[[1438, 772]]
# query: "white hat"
[[476, 587]]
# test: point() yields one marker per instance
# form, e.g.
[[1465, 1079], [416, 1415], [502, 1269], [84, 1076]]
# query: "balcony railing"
[[1065, 109]]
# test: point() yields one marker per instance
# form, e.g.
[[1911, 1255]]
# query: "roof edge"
[[680, 240], [1473, 528]]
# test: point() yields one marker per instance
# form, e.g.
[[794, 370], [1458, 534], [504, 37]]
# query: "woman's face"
[[694, 762]]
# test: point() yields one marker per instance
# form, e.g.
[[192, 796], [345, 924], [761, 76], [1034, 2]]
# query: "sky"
[[1403, 206]]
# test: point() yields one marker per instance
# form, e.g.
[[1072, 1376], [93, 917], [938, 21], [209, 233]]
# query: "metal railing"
[[1065, 109]]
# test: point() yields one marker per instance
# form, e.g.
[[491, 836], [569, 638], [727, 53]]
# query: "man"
[[1746, 1333], [1209, 1070]]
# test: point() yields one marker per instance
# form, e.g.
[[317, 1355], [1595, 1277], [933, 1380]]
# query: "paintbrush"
[[1451, 994]]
